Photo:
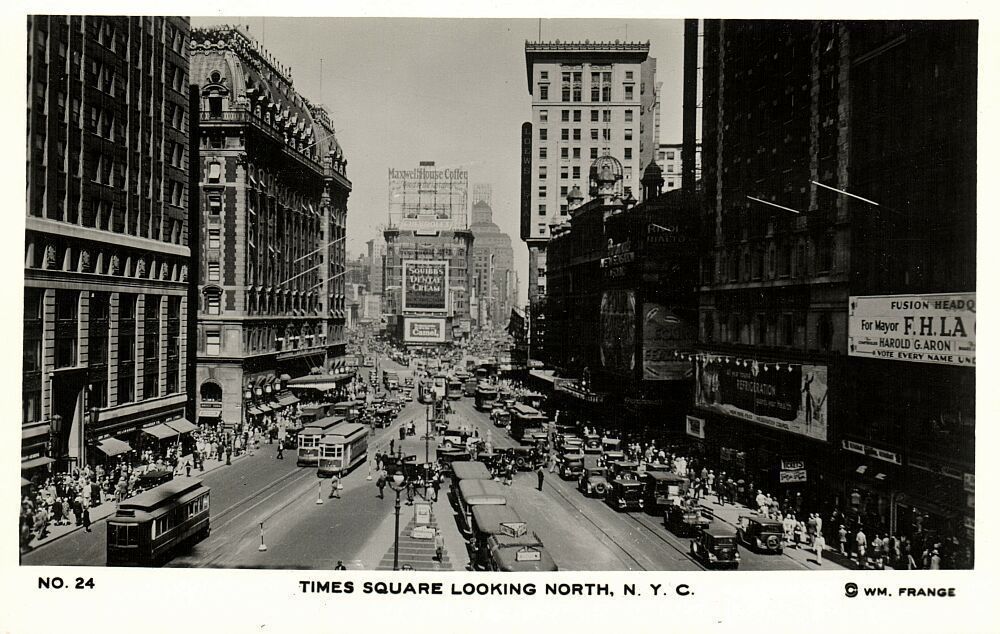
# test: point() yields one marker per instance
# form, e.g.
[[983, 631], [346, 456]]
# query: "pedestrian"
[[819, 543], [335, 486], [842, 538], [436, 486], [281, 451], [392, 445], [86, 519], [541, 476], [861, 543], [187, 467], [380, 483], [438, 545], [410, 493], [935, 563], [340, 565]]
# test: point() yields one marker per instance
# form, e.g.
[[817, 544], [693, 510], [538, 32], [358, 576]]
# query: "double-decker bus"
[[486, 397], [454, 389]]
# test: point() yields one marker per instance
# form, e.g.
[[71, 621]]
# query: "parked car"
[[686, 519], [593, 479], [760, 534], [715, 547], [625, 493]]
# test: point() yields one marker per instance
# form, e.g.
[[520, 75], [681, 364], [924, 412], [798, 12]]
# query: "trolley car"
[[310, 438], [342, 448], [148, 528]]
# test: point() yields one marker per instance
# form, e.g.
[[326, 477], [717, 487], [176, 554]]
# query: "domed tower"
[[652, 181], [606, 179]]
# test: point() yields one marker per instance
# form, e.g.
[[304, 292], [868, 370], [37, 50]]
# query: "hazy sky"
[[453, 91]]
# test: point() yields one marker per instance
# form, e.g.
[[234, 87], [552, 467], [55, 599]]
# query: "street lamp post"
[[427, 449], [397, 483]]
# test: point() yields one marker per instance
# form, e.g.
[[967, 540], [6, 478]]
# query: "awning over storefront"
[[38, 431], [182, 425], [161, 431], [545, 375], [210, 413], [34, 463], [25, 483], [253, 410], [112, 447], [265, 408], [287, 399]]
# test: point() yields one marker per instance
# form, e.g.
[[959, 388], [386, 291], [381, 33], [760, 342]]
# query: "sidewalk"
[[107, 509], [419, 553], [730, 514]]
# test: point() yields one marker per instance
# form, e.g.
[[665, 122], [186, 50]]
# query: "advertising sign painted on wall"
[[663, 334], [937, 328], [423, 330], [425, 285], [618, 330], [789, 398]]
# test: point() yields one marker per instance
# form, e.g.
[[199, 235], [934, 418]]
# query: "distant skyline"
[[453, 91]]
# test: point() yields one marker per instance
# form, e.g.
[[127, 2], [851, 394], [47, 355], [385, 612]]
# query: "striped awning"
[[182, 425], [111, 447], [160, 431], [34, 463]]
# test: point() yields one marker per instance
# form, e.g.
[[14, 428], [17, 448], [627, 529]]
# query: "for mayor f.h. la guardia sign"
[[936, 328]]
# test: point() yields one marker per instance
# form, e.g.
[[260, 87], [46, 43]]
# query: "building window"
[[32, 329], [543, 172], [565, 134], [214, 204], [542, 193], [629, 93], [593, 152], [126, 348], [577, 114], [564, 174], [564, 152], [628, 153], [606, 134], [576, 153], [576, 171], [541, 210], [607, 116], [67, 304], [565, 115], [213, 271], [670, 155], [628, 74], [543, 116], [541, 229], [576, 134], [628, 134], [212, 304], [563, 209], [595, 116], [214, 172], [212, 343], [543, 74], [543, 152], [593, 134], [543, 92], [670, 183], [214, 241], [543, 134], [628, 116]]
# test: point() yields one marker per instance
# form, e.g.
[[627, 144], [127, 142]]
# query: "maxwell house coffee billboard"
[[789, 398], [425, 285]]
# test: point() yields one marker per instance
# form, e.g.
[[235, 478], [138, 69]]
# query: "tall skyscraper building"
[[493, 262], [106, 242], [589, 99], [271, 249]]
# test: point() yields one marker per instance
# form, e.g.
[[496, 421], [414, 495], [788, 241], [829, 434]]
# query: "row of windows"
[[769, 329], [543, 115], [776, 260], [179, 515]]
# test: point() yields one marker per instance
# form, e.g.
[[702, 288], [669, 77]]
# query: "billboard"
[[618, 330], [791, 398], [423, 329], [663, 333], [937, 328], [526, 180], [695, 426], [428, 198], [425, 285]]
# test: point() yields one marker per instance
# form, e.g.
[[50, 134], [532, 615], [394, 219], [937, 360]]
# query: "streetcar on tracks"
[[524, 418], [454, 389], [310, 439], [469, 470], [342, 448], [149, 528], [472, 493]]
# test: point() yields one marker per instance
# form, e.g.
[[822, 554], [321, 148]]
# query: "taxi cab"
[[715, 547]]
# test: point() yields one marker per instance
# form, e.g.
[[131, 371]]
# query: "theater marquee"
[[938, 328]]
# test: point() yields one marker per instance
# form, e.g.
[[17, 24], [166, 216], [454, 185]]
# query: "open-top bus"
[[148, 528]]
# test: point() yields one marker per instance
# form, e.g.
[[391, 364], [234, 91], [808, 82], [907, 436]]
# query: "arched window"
[[211, 392]]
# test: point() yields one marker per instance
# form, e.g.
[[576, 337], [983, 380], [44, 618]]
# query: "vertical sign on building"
[[526, 180]]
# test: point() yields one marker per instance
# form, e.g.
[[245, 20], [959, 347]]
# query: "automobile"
[[448, 456], [664, 489], [613, 456], [454, 437], [625, 492], [593, 479], [500, 417], [619, 467], [408, 397], [760, 533], [570, 465], [686, 519], [531, 436], [592, 443], [154, 477], [715, 547]]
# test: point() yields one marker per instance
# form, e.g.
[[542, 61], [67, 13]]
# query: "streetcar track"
[[641, 520]]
